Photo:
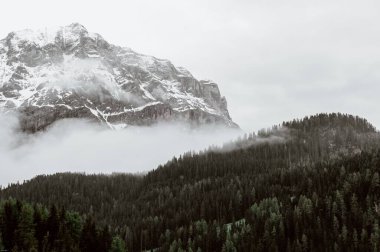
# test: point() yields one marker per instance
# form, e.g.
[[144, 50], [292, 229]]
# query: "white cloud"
[[88, 76], [80, 146]]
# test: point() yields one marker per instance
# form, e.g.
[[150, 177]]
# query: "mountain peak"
[[46, 36], [68, 72], [76, 26]]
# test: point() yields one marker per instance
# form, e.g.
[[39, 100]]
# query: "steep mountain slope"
[[71, 73], [297, 179]]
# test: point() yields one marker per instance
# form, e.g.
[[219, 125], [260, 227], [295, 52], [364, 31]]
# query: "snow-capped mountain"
[[69, 72]]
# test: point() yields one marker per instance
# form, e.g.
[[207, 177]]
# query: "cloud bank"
[[81, 146], [89, 77]]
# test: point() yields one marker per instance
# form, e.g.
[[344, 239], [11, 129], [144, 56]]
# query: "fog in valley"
[[82, 146]]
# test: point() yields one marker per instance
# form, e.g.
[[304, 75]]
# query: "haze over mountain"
[[69, 72], [308, 184], [81, 146]]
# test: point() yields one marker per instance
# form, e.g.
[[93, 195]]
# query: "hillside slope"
[[309, 184]]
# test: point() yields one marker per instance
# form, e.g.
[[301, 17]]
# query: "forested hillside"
[[26, 227], [310, 184]]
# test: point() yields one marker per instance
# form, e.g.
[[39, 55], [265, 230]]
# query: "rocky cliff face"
[[72, 73]]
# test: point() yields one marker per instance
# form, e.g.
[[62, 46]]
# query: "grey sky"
[[273, 60]]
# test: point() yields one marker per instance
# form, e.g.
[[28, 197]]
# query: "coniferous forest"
[[35, 228], [304, 185]]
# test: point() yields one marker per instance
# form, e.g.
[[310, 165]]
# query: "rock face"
[[72, 73]]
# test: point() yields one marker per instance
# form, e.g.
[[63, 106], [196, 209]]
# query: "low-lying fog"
[[81, 146]]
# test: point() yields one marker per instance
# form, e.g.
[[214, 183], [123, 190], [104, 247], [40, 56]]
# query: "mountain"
[[69, 72], [305, 185]]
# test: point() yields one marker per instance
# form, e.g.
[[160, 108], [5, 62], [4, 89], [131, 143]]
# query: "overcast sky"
[[273, 60]]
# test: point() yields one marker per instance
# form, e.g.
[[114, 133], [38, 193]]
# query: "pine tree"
[[24, 234], [228, 246], [118, 245], [52, 227], [40, 227], [8, 225], [89, 241], [1, 244]]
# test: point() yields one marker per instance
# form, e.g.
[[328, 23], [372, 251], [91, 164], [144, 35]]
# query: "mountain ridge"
[[72, 73]]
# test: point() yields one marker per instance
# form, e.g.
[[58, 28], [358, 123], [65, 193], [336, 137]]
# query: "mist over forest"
[[83, 146]]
